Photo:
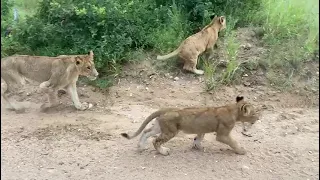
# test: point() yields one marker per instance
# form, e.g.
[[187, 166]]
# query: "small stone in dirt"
[[314, 90], [143, 167], [245, 167], [94, 89], [176, 78], [147, 88], [245, 75], [130, 94]]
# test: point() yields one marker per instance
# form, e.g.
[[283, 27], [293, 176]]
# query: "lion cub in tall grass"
[[203, 41]]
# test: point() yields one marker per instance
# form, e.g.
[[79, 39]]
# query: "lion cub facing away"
[[203, 41], [195, 120], [53, 73]]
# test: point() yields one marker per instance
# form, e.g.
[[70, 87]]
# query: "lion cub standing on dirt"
[[195, 120], [196, 44], [53, 73]]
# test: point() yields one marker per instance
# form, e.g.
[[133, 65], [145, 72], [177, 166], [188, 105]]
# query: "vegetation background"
[[119, 31]]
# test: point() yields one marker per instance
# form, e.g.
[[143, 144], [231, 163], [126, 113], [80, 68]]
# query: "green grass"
[[26, 7], [291, 32], [287, 20], [169, 36]]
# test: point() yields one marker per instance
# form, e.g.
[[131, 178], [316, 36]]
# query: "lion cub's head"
[[219, 20], [86, 66], [246, 112]]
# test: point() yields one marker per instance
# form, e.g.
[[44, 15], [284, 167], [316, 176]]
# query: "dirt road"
[[69, 144]]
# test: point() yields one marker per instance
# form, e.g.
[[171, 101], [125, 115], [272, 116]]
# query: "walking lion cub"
[[196, 120], [53, 73]]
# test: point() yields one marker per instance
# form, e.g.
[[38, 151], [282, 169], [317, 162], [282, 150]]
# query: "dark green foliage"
[[112, 28]]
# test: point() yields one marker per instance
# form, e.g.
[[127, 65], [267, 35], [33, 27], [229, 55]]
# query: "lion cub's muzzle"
[[94, 74]]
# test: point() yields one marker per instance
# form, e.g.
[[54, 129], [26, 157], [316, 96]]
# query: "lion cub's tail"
[[146, 122], [174, 53]]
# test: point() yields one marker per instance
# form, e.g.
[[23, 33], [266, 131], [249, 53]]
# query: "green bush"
[[6, 16], [112, 28]]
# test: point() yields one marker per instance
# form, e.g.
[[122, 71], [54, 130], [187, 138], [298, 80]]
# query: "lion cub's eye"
[[88, 67]]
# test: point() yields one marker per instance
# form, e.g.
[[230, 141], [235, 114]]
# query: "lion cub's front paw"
[[84, 106], [197, 146], [198, 72], [240, 151], [164, 151]]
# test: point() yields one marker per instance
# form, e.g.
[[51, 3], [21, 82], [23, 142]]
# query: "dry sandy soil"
[[69, 144]]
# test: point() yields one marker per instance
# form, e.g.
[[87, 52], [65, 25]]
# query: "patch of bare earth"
[[69, 144]]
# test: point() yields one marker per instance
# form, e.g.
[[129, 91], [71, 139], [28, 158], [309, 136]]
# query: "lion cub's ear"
[[221, 19], [90, 53], [239, 98], [246, 109], [78, 60]]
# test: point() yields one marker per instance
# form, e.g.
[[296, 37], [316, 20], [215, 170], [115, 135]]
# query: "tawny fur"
[[53, 73], [203, 41], [196, 120]]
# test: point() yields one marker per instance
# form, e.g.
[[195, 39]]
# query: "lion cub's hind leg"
[[52, 98], [197, 142], [13, 105], [168, 131], [191, 66], [9, 102], [153, 131]]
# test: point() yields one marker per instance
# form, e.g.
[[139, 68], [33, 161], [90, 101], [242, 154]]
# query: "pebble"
[[176, 78], [245, 167]]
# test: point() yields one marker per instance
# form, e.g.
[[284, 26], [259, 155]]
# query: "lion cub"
[[53, 73], [196, 120], [196, 44]]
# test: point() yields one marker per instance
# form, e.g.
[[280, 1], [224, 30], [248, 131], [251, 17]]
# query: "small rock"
[[176, 78], [28, 94], [245, 167], [314, 90], [143, 167], [130, 94], [260, 73], [147, 88], [245, 75]]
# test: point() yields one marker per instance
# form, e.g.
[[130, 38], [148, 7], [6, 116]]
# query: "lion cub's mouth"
[[92, 78]]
